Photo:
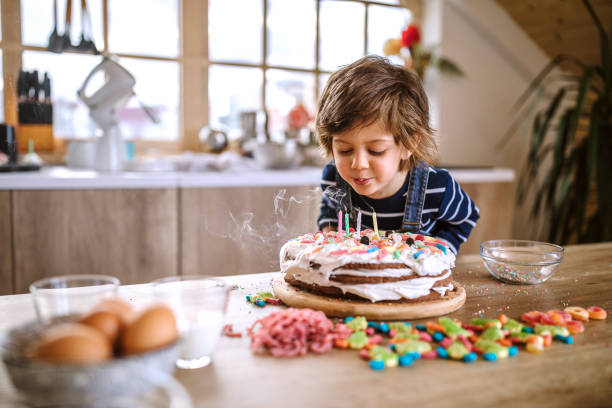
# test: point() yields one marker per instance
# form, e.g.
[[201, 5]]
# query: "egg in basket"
[[111, 353]]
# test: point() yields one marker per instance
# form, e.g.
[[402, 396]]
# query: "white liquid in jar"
[[201, 334]]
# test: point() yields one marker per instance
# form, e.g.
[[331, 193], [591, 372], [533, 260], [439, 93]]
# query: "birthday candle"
[[340, 222], [346, 224], [375, 223], [359, 223]]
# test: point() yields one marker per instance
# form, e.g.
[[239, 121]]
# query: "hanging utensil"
[[86, 45], [66, 44], [55, 40]]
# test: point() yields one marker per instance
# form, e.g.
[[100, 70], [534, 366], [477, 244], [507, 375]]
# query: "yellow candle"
[[375, 223]]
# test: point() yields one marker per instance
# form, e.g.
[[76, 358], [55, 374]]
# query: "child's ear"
[[405, 155]]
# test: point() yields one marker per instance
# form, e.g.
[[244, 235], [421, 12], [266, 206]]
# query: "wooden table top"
[[563, 375]]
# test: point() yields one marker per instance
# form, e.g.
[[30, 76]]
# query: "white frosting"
[[331, 252]]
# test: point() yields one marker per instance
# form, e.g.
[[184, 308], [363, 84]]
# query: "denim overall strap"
[[415, 198]]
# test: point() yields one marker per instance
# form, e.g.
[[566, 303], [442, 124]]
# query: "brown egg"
[[153, 328], [72, 343], [107, 322], [119, 307]]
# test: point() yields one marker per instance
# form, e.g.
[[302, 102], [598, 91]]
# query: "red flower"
[[411, 36]]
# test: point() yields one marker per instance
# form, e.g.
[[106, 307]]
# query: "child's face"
[[368, 159]]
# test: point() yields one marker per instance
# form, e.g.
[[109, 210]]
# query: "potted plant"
[[416, 56], [569, 165]]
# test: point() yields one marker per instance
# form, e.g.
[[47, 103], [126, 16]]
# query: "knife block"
[[41, 134]]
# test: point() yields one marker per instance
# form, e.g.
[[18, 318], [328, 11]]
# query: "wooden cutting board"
[[295, 297]]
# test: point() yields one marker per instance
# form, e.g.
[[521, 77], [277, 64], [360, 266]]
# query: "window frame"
[[193, 61]]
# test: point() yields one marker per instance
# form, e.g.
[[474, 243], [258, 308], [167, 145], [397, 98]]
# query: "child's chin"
[[364, 190]]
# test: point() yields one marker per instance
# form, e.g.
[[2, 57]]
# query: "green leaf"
[[448, 67], [605, 45]]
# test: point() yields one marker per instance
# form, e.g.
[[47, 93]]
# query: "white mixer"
[[115, 92]]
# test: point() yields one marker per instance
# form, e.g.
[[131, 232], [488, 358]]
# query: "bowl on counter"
[[521, 262], [109, 383], [273, 155]]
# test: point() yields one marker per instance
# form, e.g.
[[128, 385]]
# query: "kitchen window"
[[197, 63]]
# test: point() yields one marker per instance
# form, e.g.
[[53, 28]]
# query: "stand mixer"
[[117, 89]]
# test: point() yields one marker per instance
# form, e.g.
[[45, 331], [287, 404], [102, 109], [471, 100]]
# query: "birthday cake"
[[383, 267]]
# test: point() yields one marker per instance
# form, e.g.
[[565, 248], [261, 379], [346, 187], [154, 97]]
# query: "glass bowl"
[[521, 262], [70, 294]]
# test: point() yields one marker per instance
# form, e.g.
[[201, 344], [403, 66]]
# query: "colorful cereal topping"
[[294, 332], [263, 298]]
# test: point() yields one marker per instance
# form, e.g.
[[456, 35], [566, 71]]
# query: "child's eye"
[[345, 152], [377, 152]]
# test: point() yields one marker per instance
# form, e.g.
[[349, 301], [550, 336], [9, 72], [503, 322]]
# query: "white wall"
[[472, 113]]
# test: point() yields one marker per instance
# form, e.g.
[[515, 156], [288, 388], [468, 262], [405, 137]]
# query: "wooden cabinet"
[[139, 235], [6, 252], [130, 234], [496, 204], [229, 231]]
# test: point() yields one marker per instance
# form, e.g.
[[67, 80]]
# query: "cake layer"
[[447, 285]]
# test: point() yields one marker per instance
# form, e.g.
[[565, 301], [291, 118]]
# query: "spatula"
[[66, 44], [86, 45], [56, 43]]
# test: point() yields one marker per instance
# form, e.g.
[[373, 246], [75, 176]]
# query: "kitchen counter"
[[562, 376], [62, 178]]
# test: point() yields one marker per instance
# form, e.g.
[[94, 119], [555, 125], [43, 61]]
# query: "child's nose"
[[360, 160]]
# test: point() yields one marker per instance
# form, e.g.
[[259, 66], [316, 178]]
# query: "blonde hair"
[[373, 89]]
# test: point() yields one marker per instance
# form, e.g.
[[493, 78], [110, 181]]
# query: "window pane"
[[143, 27], [1, 88], [235, 30], [157, 86], [385, 23], [323, 78], [37, 21], [341, 33], [67, 71], [233, 90], [285, 89], [292, 33]]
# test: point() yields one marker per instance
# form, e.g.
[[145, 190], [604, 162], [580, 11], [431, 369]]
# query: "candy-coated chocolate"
[[442, 353], [512, 351], [469, 357], [489, 356], [405, 360], [564, 339], [377, 365], [438, 336]]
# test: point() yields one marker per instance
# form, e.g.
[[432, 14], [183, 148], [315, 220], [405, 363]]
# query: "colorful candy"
[[578, 313], [261, 298], [597, 313], [391, 344]]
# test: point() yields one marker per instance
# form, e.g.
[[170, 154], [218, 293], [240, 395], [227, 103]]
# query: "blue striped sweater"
[[448, 212]]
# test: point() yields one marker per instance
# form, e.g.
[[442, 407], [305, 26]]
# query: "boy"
[[373, 120]]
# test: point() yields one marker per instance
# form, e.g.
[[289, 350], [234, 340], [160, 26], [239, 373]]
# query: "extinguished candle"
[[359, 223], [340, 222], [375, 223], [346, 222]]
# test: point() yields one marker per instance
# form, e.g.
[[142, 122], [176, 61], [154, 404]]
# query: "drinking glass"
[[200, 303], [70, 294]]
